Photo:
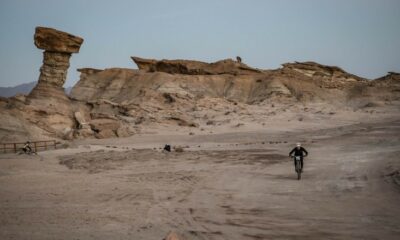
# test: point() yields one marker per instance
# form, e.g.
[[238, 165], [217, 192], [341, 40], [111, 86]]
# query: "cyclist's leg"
[[302, 163]]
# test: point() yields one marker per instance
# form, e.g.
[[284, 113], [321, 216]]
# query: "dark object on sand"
[[167, 148]]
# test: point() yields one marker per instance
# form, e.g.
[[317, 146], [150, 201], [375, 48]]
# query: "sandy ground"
[[232, 185]]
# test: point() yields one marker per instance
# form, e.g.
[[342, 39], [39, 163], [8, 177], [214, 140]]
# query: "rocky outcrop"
[[391, 77], [226, 66], [315, 69], [145, 64], [49, 106], [47, 111], [168, 82], [58, 48], [386, 89], [139, 98], [87, 72], [326, 76], [119, 102]]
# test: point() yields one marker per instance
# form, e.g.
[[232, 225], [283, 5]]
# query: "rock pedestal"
[[48, 105], [58, 48]]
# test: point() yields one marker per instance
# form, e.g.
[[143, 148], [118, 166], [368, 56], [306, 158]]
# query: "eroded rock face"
[[386, 88], [58, 48], [133, 86], [145, 64], [327, 76], [54, 69], [48, 95], [87, 72], [392, 77], [226, 66], [119, 102], [47, 107]]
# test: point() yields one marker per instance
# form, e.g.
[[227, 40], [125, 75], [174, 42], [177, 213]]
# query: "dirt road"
[[228, 186]]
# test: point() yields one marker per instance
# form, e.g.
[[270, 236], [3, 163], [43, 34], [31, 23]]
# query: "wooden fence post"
[[35, 146], [55, 144], [15, 148]]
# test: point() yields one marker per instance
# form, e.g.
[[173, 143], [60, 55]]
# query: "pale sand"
[[236, 183]]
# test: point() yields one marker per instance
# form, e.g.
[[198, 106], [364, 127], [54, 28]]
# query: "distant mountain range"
[[24, 88]]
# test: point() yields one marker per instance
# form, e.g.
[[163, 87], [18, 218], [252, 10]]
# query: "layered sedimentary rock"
[[119, 102], [326, 76], [53, 40], [47, 111], [58, 48], [391, 77], [169, 93], [192, 79], [300, 81], [49, 106], [385, 89], [226, 66], [85, 72]]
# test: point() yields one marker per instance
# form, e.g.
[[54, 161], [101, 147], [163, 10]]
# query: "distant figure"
[[238, 59], [167, 148], [299, 151], [27, 147]]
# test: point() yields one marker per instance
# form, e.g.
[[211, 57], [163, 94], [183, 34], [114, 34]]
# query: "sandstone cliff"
[[189, 67], [118, 102], [298, 81]]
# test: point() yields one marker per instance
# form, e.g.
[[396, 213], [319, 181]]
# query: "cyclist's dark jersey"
[[298, 151]]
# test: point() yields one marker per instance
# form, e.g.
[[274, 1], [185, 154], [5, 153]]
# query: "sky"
[[360, 36]]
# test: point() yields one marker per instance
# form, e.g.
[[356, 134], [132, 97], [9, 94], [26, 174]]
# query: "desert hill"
[[187, 94], [24, 88]]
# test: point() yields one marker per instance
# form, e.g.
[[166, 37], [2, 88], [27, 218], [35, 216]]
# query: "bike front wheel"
[[298, 170]]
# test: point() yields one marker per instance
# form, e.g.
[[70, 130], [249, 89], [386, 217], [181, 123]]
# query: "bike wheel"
[[298, 170]]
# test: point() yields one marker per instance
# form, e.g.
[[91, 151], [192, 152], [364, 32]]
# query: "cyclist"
[[27, 147], [298, 151]]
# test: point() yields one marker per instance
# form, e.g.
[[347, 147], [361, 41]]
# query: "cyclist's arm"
[[305, 151], [291, 152]]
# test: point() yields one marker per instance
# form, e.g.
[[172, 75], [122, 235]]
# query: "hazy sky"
[[361, 36]]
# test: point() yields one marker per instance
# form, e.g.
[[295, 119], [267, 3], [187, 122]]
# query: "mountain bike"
[[298, 166]]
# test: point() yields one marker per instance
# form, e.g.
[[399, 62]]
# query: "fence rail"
[[36, 146]]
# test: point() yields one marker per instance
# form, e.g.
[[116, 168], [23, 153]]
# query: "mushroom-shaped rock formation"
[[48, 105], [58, 48]]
